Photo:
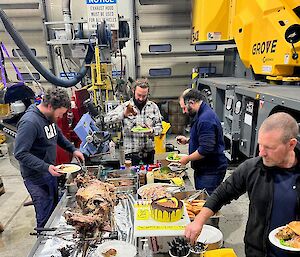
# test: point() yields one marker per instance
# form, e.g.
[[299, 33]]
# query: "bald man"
[[272, 182]]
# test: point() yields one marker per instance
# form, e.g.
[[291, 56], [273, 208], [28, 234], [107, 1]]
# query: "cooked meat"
[[86, 225], [286, 233], [110, 252], [95, 200], [84, 180], [295, 242]]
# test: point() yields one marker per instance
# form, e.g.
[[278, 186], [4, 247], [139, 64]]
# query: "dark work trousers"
[[145, 157], [209, 182], [43, 192]]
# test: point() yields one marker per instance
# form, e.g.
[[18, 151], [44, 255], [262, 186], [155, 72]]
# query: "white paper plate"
[[74, 166], [180, 155], [210, 235], [275, 241], [123, 249]]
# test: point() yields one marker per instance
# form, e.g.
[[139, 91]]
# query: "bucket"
[[212, 237]]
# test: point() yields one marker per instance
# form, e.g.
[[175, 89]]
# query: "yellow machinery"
[[101, 79], [266, 33]]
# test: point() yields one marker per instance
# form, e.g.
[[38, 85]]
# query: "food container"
[[123, 180], [177, 256], [196, 254]]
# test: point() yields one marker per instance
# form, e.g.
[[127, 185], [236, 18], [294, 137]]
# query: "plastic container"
[[146, 252], [150, 177], [112, 149], [188, 254], [142, 176]]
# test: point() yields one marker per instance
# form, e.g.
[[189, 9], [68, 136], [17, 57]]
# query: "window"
[[160, 48], [207, 70], [160, 72], [210, 47]]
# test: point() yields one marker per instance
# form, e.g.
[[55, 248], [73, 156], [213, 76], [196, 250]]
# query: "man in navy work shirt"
[[272, 182], [206, 143], [35, 149]]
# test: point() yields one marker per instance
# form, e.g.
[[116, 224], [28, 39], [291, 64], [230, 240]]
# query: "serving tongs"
[[82, 165], [195, 196]]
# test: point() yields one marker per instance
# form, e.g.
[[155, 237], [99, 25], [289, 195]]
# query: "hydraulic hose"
[[36, 64]]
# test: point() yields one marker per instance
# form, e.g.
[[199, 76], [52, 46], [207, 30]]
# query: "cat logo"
[[9, 132], [50, 131]]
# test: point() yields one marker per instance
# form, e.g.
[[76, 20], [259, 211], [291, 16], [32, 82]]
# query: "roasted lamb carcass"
[[96, 198], [84, 180], [96, 201], [85, 225]]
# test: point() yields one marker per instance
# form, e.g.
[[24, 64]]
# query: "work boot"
[[2, 190], [1, 228]]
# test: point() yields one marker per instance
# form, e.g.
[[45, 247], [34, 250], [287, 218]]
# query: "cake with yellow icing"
[[167, 209]]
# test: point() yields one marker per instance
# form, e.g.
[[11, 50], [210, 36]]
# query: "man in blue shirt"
[[206, 143]]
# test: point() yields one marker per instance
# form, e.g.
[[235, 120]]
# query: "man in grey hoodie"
[[35, 149]]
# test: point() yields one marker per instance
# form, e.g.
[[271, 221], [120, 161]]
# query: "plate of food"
[[287, 237], [174, 157], [116, 248], [155, 190], [140, 129], [165, 173], [68, 168]]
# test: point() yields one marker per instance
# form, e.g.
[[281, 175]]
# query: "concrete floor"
[[19, 221]]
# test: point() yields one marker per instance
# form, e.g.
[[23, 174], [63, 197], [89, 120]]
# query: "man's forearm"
[[195, 156], [204, 215]]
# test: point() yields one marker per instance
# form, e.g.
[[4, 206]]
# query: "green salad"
[[140, 129], [174, 156]]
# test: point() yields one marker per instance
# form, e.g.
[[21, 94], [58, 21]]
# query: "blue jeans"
[[43, 192], [209, 182]]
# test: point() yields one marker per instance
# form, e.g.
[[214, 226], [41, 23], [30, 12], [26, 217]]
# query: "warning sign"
[[99, 10]]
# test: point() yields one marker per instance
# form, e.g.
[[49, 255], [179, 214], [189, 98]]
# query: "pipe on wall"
[[36, 64]]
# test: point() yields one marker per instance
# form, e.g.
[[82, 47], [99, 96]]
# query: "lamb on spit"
[[95, 201]]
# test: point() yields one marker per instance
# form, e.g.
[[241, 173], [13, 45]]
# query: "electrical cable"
[[62, 66], [35, 62]]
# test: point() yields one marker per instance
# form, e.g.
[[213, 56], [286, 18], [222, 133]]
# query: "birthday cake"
[[167, 209]]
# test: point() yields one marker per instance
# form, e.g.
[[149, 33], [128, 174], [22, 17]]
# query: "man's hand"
[[151, 132], [193, 230], [53, 171], [78, 155], [129, 111], [184, 160], [182, 140]]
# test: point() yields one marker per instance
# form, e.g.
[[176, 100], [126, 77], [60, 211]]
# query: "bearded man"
[[206, 143], [35, 149], [138, 111]]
